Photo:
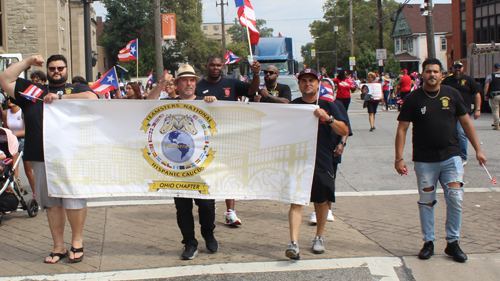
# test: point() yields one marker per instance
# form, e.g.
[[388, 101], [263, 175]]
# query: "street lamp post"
[[335, 30]]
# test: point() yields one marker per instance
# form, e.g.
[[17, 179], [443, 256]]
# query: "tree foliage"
[[239, 33], [130, 19], [365, 38]]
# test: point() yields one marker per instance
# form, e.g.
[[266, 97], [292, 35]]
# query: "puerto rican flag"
[[151, 80], [130, 52], [32, 93], [108, 82], [325, 92], [231, 58], [8, 161], [246, 14]]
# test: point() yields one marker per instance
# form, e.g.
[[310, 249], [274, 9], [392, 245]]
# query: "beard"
[[59, 81], [269, 81]]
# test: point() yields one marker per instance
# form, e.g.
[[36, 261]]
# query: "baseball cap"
[[404, 71], [308, 71], [457, 63], [497, 65]]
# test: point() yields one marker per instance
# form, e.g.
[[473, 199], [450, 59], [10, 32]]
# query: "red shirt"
[[343, 88], [385, 85], [405, 83]]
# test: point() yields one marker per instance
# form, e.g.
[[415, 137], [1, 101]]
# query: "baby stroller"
[[11, 192]]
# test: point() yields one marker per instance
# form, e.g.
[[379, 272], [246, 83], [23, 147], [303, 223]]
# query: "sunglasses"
[[270, 72], [457, 66], [53, 68]]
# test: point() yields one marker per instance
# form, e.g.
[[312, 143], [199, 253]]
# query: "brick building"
[[46, 27]]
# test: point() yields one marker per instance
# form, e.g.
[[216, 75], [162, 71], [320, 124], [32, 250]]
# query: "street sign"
[[380, 62], [352, 60], [313, 53], [381, 54]]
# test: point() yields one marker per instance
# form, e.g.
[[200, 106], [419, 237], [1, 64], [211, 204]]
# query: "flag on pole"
[[32, 93], [239, 3], [108, 82], [326, 92], [130, 52], [230, 58], [279, 34], [151, 80], [246, 15]]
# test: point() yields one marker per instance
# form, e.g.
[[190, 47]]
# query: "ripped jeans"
[[428, 175]]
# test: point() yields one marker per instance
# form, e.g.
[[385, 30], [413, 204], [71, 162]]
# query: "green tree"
[[366, 62], [365, 38], [239, 33], [306, 55], [392, 65]]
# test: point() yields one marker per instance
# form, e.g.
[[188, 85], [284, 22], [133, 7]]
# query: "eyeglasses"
[[53, 68], [457, 66], [270, 72]]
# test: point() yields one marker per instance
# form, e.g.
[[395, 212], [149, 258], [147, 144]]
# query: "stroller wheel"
[[32, 208], [1, 218]]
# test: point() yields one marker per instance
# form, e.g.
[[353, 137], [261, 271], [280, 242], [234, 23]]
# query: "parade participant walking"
[[492, 93], [323, 189], [57, 208], [434, 110], [470, 92], [344, 88], [186, 83], [372, 104], [404, 85], [272, 91], [227, 89]]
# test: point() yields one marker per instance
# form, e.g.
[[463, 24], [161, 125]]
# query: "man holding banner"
[[331, 121], [57, 208], [227, 89]]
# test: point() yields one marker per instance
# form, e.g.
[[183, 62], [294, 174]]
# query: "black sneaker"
[[212, 244], [452, 249], [189, 252], [427, 251]]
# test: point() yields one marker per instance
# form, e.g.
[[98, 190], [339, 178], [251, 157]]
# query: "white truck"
[[480, 60]]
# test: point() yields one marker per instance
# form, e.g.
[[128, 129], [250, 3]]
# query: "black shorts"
[[323, 187], [372, 106]]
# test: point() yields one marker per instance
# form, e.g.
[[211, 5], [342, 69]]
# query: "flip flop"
[[59, 255], [74, 251]]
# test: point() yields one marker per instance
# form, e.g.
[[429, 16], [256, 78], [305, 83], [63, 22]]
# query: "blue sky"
[[290, 17]]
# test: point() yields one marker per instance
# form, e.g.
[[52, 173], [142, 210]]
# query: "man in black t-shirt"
[[330, 120], [227, 89], [57, 208], [470, 92], [272, 91], [434, 110]]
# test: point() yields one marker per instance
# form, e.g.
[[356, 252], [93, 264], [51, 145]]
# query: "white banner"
[[220, 150], [374, 89]]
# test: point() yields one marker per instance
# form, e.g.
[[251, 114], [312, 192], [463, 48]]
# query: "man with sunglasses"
[[470, 92], [57, 208], [272, 91]]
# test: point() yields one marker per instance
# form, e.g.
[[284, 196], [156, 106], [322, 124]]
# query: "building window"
[[443, 44], [402, 25], [205, 27], [397, 45], [408, 44], [216, 27]]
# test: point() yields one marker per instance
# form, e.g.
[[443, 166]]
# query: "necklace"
[[431, 96], [276, 85]]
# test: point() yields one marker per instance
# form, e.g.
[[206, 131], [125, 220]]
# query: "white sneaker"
[[313, 218], [330, 216], [231, 218]]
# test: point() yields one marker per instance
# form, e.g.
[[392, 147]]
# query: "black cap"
[[497, 65], [308, 71], [457, 63]]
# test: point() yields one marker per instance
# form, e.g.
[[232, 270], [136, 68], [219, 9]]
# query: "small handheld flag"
[[130, 52], [493, 181], [150, 78], [231, 58], [279, 34], [7, 161], [32, 93], [108, 82], [247, 18], [325, 92]]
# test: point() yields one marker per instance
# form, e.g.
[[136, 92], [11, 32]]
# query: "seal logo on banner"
[[178, 143]]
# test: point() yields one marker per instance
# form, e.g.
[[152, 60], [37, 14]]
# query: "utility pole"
[[380, 36], [351, 29], [429, 22], [88, 40], [158, 40], [223, 25]]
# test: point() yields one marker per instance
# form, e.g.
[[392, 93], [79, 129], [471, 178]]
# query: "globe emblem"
[[178, 146]]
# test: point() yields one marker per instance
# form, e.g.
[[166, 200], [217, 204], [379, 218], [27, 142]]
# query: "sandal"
[[60, 256], [74, 251]]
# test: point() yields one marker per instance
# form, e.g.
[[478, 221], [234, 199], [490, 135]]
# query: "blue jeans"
[[462, 141], [428, 175]]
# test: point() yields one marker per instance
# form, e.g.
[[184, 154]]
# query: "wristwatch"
[[343, 143], [60, 93], [331, 120]]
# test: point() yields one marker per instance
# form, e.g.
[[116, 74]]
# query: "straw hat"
[[186, 71]]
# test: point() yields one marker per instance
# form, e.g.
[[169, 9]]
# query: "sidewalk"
[[142, 237]]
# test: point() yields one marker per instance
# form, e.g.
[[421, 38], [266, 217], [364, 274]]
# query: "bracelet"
[[258, 73], [398, 160]]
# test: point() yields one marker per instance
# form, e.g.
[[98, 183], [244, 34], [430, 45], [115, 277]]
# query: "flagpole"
[[137, 69]]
